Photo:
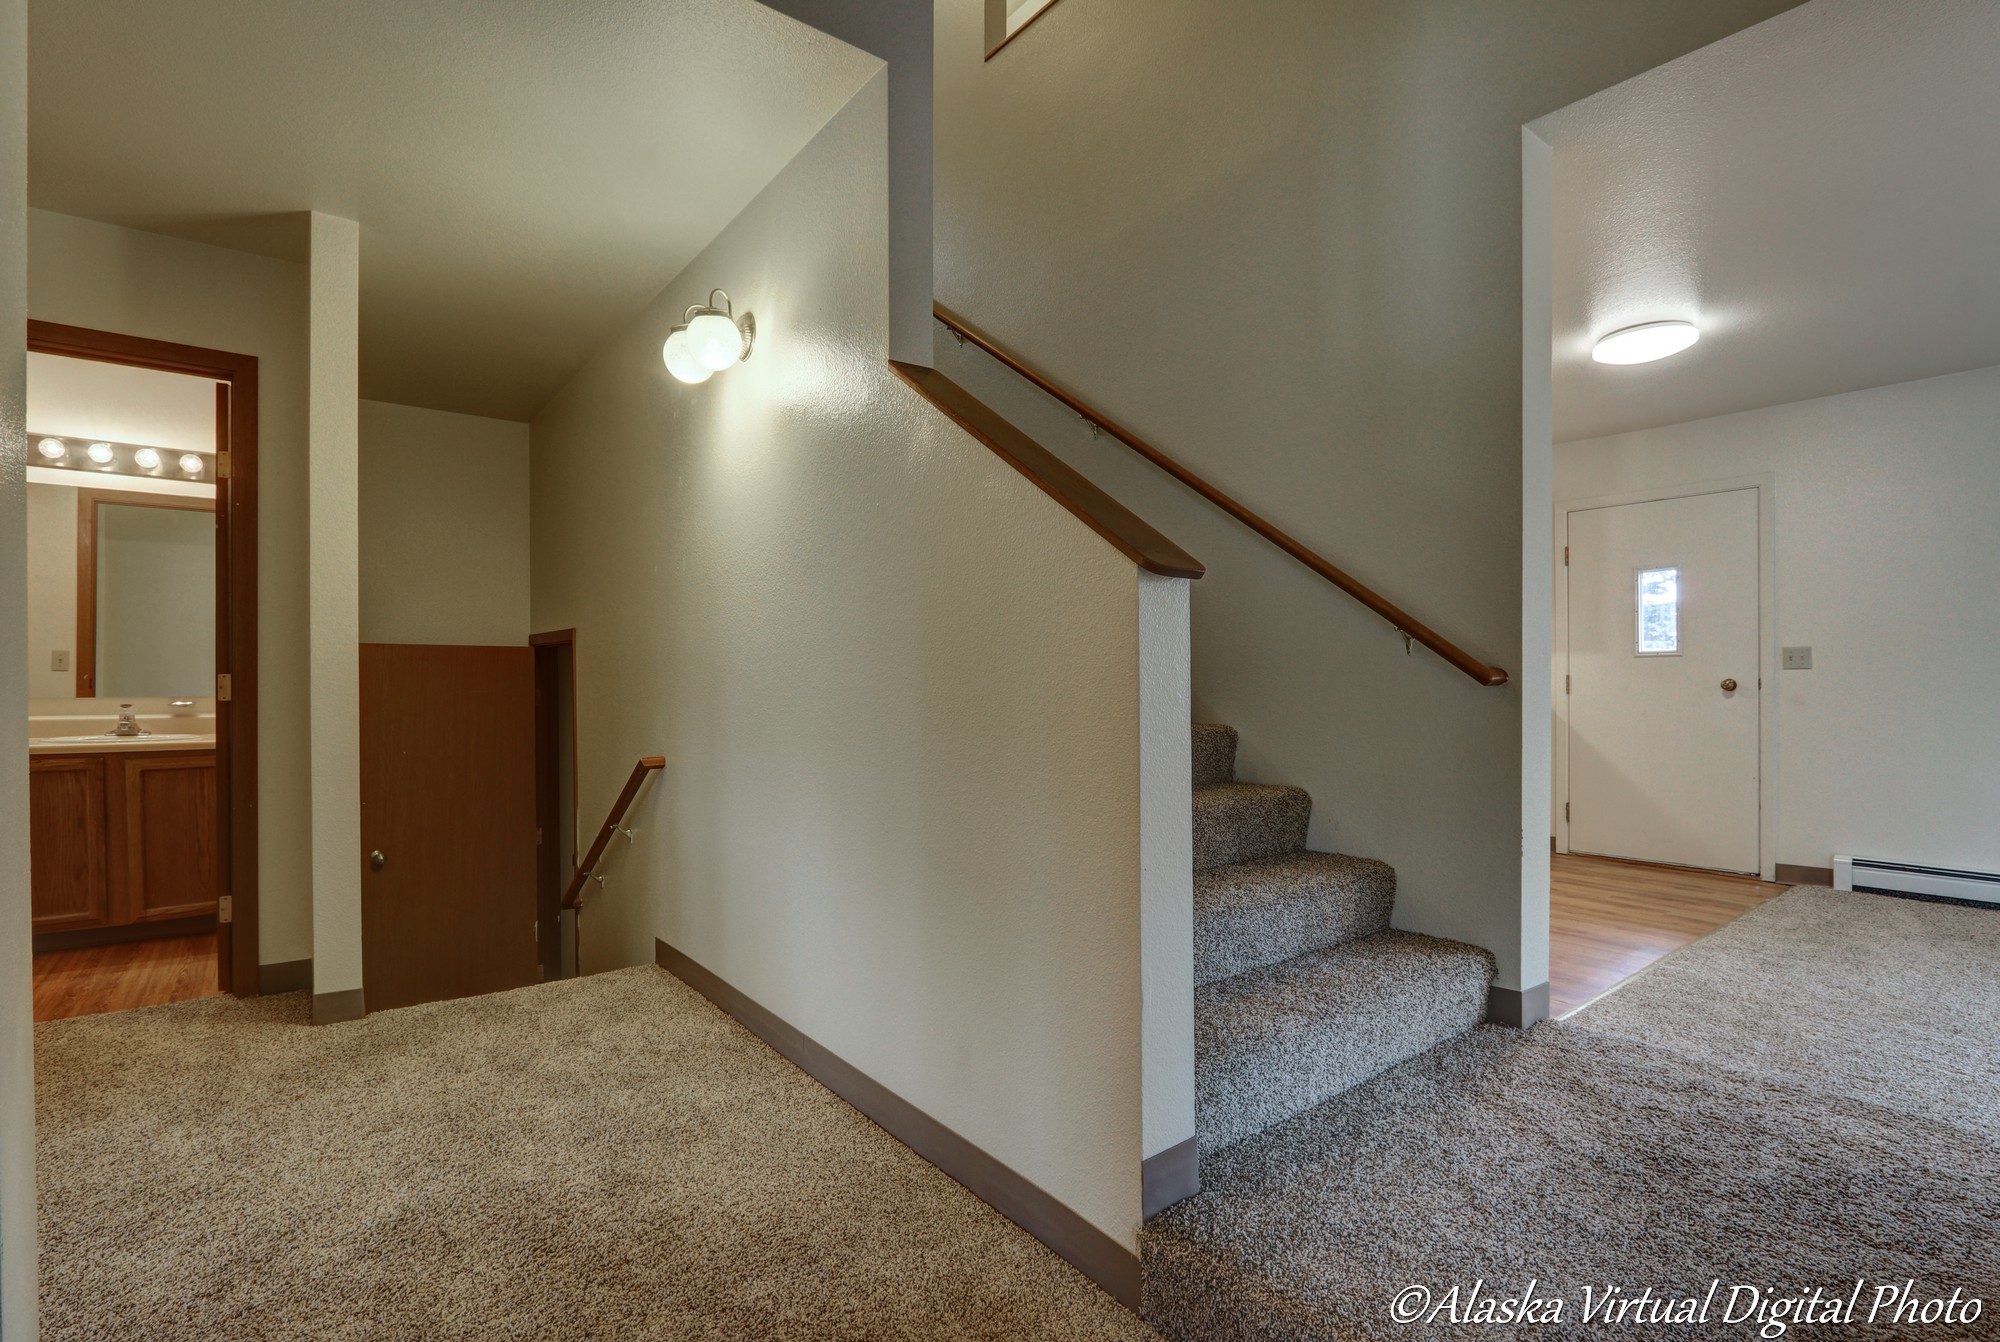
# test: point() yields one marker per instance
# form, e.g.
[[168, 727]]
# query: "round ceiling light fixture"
[[1645, 342], [710, 339], [52, 449], [100, 453], [146, 459], [190, 464]]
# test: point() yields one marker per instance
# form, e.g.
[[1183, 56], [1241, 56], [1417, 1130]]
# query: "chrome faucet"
[[127, 724]]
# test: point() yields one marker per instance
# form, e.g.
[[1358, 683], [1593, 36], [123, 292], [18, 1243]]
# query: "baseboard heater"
[[1869, 873]]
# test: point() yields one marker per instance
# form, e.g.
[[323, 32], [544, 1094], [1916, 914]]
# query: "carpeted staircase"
[[1302, 990]]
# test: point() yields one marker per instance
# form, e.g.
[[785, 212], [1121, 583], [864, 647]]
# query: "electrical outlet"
[[58, 661], [1798, 659]]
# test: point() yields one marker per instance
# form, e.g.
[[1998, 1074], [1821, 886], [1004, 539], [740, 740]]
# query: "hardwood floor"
[[115, 978], [1609, 919]]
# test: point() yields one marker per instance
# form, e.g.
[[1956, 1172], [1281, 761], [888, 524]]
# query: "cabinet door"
[[169, 830], [67, 842]]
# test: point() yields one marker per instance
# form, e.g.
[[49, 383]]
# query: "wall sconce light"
[[709, 339], [52, 449], [190, 464], [146, 459], [100, 453]]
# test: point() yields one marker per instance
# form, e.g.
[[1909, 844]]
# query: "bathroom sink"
[[106, 738]]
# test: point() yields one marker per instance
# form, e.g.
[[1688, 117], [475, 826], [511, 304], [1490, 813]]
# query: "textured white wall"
[[1886, 567], [117, 279], [896, 686], [51, 589], [444, 527], [334, 598], [17, 1049], [1284, 243]]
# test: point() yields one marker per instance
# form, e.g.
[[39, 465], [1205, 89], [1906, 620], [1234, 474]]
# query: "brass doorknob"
[[1728, 687], [376, 861]]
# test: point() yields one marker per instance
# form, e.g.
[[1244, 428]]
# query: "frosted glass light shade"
[[715, 340], [190, 464], [146, 459], [1646, 342], [100, 453], [679, 357], [52, 449]]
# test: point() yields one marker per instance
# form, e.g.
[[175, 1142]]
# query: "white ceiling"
[[1819, 193], [80, 399], [527, 173]]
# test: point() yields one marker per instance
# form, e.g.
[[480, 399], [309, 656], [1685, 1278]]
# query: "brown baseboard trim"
[[285, 976], [84, 937], [1518, 1007], [333, 1008], [1790, 875], [1088, 1249], [1173, 1175]]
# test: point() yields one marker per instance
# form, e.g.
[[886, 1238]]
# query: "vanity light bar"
[[95, 456]]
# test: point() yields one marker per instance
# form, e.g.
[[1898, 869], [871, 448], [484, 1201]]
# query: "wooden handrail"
[[573, 897], [1127, 532], [1404, 623]]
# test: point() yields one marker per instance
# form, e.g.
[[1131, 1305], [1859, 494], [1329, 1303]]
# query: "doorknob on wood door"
[[1728, 687], [376, 861]]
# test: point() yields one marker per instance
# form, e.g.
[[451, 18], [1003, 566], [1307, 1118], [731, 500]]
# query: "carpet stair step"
[[1241, 822], [1214, 754], [1251, 914], [1278, 1040]]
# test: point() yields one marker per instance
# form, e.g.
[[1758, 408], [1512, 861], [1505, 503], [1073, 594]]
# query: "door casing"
[[1767, 648], [236, 948]]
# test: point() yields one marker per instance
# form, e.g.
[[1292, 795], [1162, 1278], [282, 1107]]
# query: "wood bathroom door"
[[447, 822]]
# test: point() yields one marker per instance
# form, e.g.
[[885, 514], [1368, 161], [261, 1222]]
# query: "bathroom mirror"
[[145, 595]]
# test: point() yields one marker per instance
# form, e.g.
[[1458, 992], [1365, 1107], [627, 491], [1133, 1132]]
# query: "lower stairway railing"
[[573, 897]]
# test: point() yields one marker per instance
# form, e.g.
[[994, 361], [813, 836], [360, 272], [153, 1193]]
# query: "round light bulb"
[[679, 357], [100, 453], [146, 459], [1646, 342], [190, 464], [52, 449], [715, 340]]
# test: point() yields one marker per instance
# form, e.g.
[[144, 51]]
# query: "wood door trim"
[[235, 608], [88, 501]]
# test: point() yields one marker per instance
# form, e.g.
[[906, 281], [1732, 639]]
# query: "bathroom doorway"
[[142, 670]]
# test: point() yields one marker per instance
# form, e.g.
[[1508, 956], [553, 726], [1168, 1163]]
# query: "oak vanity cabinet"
[[121, 839]]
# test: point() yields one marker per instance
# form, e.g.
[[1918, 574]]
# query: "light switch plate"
[[1798, 659], [58, 661]]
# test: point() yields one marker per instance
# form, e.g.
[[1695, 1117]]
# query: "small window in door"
[[1658, 612], [1005, 18]]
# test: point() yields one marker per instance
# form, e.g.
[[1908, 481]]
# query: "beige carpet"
[[1800, 1100], [604, 1158]]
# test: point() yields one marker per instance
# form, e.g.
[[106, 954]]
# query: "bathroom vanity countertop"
[[121, 745]]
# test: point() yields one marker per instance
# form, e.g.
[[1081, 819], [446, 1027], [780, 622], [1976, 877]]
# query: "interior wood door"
[[1664, 705], [448, 804]]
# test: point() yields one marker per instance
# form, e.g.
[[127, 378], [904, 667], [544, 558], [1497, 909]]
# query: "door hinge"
[[1565, 684], [225, 909], [1565, 813], [222, 465], [223, 687], [1565, 556]]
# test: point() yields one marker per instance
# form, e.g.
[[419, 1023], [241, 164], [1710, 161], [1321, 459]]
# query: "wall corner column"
[[334, 628], [1169, 1170], [17, 1039]]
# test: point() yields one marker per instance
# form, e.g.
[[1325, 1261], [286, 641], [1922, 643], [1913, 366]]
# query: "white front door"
[[1663, 693]]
